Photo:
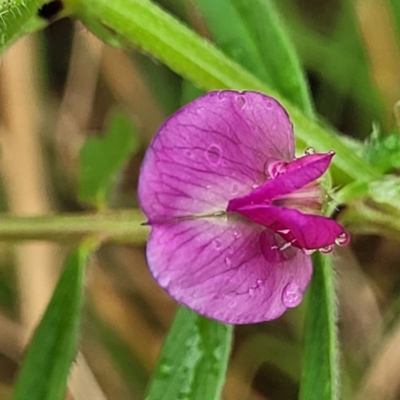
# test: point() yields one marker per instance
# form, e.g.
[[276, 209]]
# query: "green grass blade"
[[260, 43], [46, 366], [395, 8], [320, 371], [193, 361], [156, 32]]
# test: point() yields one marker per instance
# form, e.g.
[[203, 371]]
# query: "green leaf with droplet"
[[153, 30], [50, 355], [193, 361], [320, 373], [102, 158]]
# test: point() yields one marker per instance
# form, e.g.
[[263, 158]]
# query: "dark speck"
[[50, 10]]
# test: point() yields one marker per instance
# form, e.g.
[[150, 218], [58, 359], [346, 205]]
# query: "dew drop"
[[165, 370], [241, 102], [221, 95], [188, 153], [309, 151], [331, 152], [283, 231], [291, 295], [276, 168], [228, 261], [213, 154], [285, 246], [235, 188], [327, 249], [259, 282], [236, 234], [269, 105], [251, 291], [217, 244], [343, 239]]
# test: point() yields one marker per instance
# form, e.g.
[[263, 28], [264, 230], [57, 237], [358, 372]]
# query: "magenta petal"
[[299, 173], [310, 231], [218, 268], [215, 148]]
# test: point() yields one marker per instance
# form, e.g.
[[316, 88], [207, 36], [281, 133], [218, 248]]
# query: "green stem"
[[114, 225], [368, 219], [320, 373], [150, 28]]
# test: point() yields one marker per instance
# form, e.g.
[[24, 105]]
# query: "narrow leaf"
[[395, 12], [193, 361], [320, 371], [46, 366], [101, 158], [260, 43]]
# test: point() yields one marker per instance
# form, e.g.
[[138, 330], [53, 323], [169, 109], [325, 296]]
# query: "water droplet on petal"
[[228, 261], [235, 188], [269, 105], [331, 152], [251, 291], [259, 282], [291, 295], [236, 234], [217, 244], [283, 231], [277, 168], [343, 239], [309, 150], [285, 246], [241, 101], [221, 94], [188, 153], [327, 249], [213, 154]]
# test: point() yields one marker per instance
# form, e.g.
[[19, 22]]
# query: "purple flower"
[[233, 215]]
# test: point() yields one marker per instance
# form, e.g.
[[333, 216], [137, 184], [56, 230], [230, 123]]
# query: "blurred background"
[[59, 87]]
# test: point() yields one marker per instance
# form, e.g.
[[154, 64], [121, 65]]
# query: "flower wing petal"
[[309, 231], [218, 267], [299, 173], [213, 149]]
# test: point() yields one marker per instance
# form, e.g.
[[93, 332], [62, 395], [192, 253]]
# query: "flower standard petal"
[[297, 174], [213, 149], [221, 268]]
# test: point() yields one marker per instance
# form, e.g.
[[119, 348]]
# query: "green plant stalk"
[[371, 219], [46, 367], [146, 25], [114, 225], [320, 372]]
